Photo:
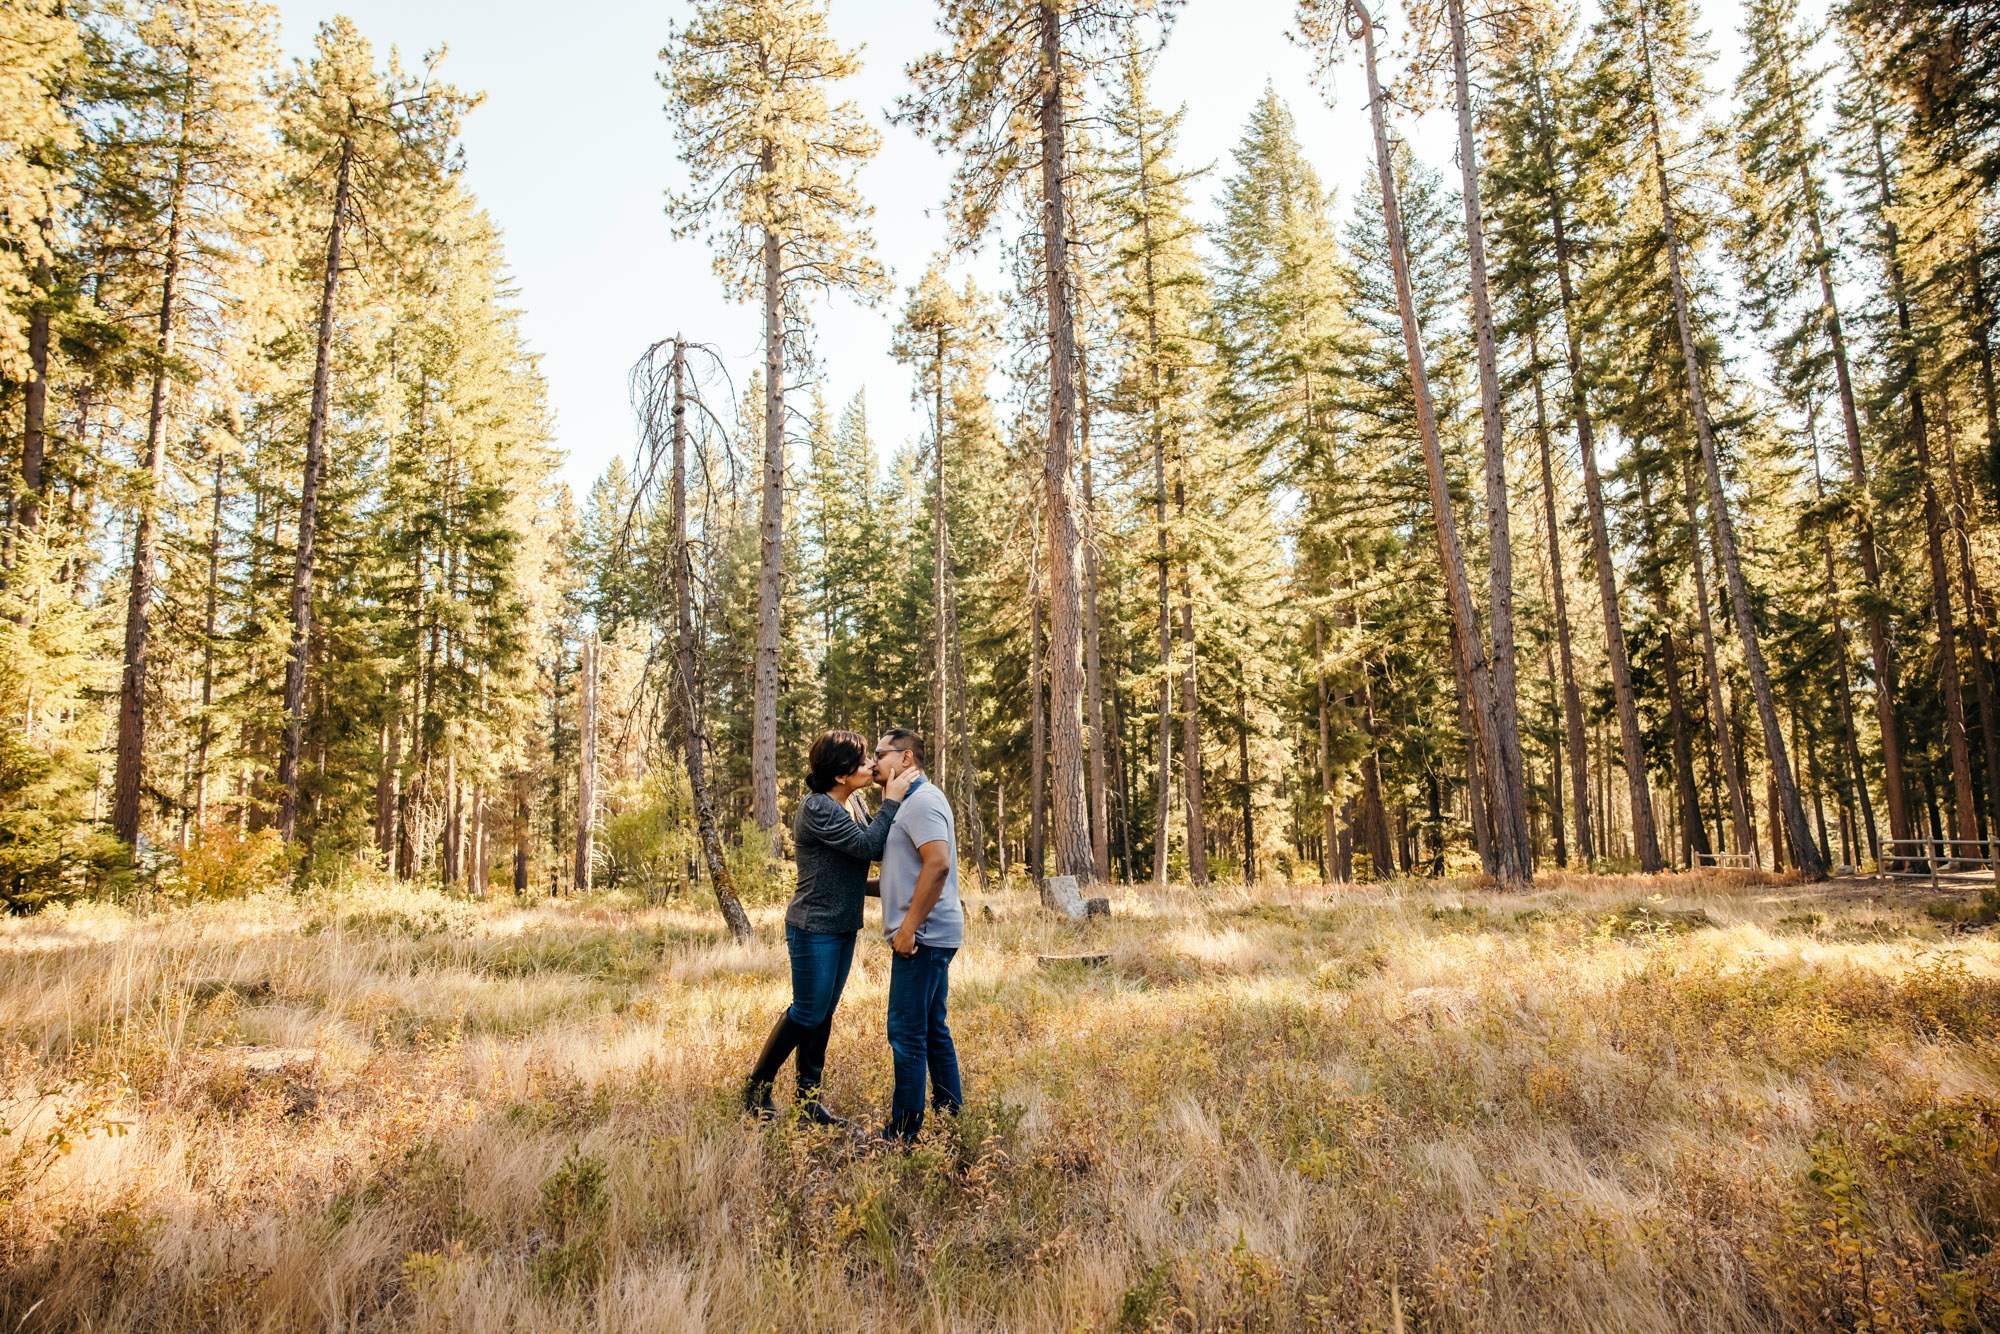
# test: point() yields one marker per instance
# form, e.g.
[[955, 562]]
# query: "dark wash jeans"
[[820, 960], [919, 1037]]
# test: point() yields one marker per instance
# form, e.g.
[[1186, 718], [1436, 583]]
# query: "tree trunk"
[[1374, 816], [968, 774], [452, 869], [770, 545], [1039, 741], [1161, 842], [1579, 771], [1100, 827], [1487, 723], [1249, 794], [315, 468], [208, 651], [36, 399], [1328, 814], [386, 783], [1842, 693], [131, 760], [1645, 837], [1478, 814], [586, 763], [1975, 628], [686, 680], [1197, 822], [1743, 837], [1507, 772], [1693, 837], [1068, 799], [939, 544], [521, 819], [1725, 531]]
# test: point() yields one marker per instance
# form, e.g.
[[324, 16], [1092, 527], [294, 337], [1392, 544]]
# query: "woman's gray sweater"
[[833, 855]]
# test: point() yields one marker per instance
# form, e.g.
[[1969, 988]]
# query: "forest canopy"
[[1619, 491]]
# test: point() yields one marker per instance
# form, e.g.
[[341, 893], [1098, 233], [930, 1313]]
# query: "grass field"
[[1616, 1104]]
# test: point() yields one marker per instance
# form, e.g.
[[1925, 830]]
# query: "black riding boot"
[[811, 1068], [757, 1089]]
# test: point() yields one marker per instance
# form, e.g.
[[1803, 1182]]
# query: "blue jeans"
[[820, 961], [919, 1037]]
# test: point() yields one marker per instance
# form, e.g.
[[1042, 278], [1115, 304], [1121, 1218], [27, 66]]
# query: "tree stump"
[[1060, 892]]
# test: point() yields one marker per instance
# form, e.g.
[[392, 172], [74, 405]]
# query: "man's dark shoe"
[[780, 1045]]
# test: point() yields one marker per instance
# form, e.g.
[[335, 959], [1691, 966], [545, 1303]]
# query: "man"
[[925, 926]]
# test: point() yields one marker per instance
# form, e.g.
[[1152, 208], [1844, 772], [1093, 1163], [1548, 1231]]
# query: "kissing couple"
[[915, 838]]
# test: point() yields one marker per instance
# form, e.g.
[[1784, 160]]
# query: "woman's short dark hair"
[[834, 755]]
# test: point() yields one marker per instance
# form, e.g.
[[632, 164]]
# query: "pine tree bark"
[[1191, 794], [35, 401], [1038, 739], [315, 471], [968, 775], [1743, 838], [1725, 530], [1579, 773], [451, 868], [1477, 813], [1374, 815], [521, 819], [1329, 865], [770, 544], [1485, 721], [586, 767], [1068, 800], [1507, 771], [1960, 520], [1161, 841], [131, 759], [687, 679], [209, 604], [1100, 826], [1693, 837], [1249, 792], [939, 545]]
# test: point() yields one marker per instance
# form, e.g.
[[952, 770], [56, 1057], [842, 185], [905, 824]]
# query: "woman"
[[833, 851]]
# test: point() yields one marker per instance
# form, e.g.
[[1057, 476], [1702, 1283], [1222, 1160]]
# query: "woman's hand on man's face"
[[899, 786]]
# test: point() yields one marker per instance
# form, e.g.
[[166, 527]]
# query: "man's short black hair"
[[902, 738]]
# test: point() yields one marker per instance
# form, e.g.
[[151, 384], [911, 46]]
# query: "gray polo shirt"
[[924, 818]]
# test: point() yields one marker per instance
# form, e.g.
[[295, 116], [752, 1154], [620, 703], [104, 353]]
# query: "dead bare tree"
[[663, 392]]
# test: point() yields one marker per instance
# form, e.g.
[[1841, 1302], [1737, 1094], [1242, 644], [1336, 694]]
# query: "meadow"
[[1718, 1102]]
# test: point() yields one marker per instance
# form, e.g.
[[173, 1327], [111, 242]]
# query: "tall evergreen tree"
[[771, 163]]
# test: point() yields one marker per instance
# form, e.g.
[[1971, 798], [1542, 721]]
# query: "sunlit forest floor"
[[1614, 1103]]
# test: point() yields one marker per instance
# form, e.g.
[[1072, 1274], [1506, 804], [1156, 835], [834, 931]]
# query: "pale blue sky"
[[570, 154]]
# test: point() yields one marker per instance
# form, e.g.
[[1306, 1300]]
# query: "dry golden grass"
[[1617, 1104]]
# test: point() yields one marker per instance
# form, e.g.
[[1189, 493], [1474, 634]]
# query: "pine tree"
[[1158, 296], [367, 148], [1279, 327], [1546, 185], [1507, 769], [771, 165], [1488, 721], [182, 161], [1786, 238], [1010, 63], [1665, 77]]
